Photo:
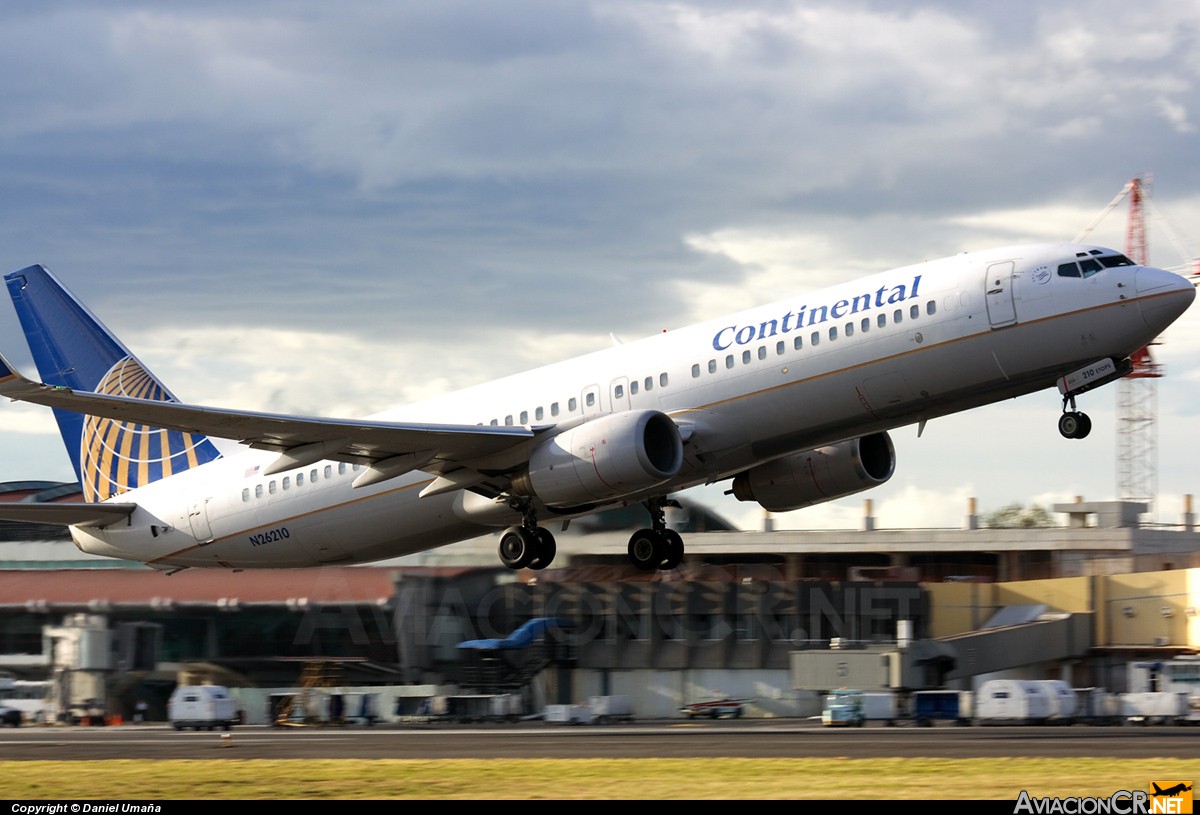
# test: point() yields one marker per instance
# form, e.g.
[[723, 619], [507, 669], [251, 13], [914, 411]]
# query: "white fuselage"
[[877, 353]]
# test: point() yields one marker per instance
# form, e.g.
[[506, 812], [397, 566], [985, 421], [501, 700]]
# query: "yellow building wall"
[[955, 608], [1148, 608], [1070, 594], [1139, 609]]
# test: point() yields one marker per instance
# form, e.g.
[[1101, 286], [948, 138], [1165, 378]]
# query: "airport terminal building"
[[762, 616]]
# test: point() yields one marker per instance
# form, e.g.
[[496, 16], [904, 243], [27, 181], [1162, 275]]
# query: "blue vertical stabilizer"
[[75, 350]]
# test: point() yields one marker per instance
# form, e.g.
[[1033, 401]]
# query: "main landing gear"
[[657, 547], [1073, 424], [527, 546], [530, 546]]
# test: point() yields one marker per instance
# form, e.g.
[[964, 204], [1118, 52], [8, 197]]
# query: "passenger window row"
[[589, 401], [314, 475], [762, 353], [849, 329]]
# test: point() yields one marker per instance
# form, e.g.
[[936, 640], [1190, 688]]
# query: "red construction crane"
[[1137, 393], [1135, 238], [1138, 250]]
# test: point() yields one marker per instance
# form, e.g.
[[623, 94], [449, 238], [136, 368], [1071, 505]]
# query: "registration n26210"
[[270, 536]]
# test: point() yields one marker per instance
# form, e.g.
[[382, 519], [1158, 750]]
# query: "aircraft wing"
[[65, 513], [389, 448]]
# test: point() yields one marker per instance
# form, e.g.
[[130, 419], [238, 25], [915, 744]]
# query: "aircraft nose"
[[1163, 296]]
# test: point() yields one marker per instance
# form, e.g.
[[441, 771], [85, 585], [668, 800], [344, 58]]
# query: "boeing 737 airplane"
[[790, 401]]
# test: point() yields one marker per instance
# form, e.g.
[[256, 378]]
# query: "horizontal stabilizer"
[[66, 514]]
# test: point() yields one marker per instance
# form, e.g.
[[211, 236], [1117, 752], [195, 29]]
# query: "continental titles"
[[806, 315]]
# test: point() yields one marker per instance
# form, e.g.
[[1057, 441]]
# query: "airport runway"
[[771, 738]]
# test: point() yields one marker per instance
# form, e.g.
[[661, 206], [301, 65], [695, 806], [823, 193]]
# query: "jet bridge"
[[1014, 637], [1017, 636]]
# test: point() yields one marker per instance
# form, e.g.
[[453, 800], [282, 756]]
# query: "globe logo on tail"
[[117, 456]]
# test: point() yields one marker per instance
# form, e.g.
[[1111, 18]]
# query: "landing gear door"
[[998, 286]]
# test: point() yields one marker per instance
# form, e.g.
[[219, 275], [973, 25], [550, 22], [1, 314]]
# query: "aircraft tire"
[[517, 547], [673, 549], [1068, 425], [544, 551], [646, 549]]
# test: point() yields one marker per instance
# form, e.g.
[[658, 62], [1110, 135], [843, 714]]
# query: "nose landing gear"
[[1073, 424]]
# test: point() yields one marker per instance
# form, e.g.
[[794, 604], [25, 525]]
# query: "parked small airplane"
[[790, 401]]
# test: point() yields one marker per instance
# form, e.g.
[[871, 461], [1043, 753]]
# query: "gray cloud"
[[463, 173]]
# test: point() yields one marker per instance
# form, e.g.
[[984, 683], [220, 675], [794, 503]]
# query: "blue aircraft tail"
[[73, 349]]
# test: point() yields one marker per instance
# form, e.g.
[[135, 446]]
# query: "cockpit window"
[[1088, 266], [1108, 260]]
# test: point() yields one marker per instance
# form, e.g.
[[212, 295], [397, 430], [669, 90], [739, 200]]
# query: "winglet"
[[12, 383], [7, 373]]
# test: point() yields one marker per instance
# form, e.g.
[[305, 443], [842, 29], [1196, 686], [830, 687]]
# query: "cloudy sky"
[[334, 208]]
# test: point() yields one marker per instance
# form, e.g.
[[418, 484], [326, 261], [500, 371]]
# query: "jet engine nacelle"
[[609, 457], [815, 476]]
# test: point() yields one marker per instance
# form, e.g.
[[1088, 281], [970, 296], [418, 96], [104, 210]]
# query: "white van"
[[200, 707], [1015, 701]]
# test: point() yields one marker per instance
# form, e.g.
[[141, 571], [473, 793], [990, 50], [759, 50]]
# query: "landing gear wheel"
[[518, 547], [647, 549], [545, 549], [673, 548], [1074, 425]]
